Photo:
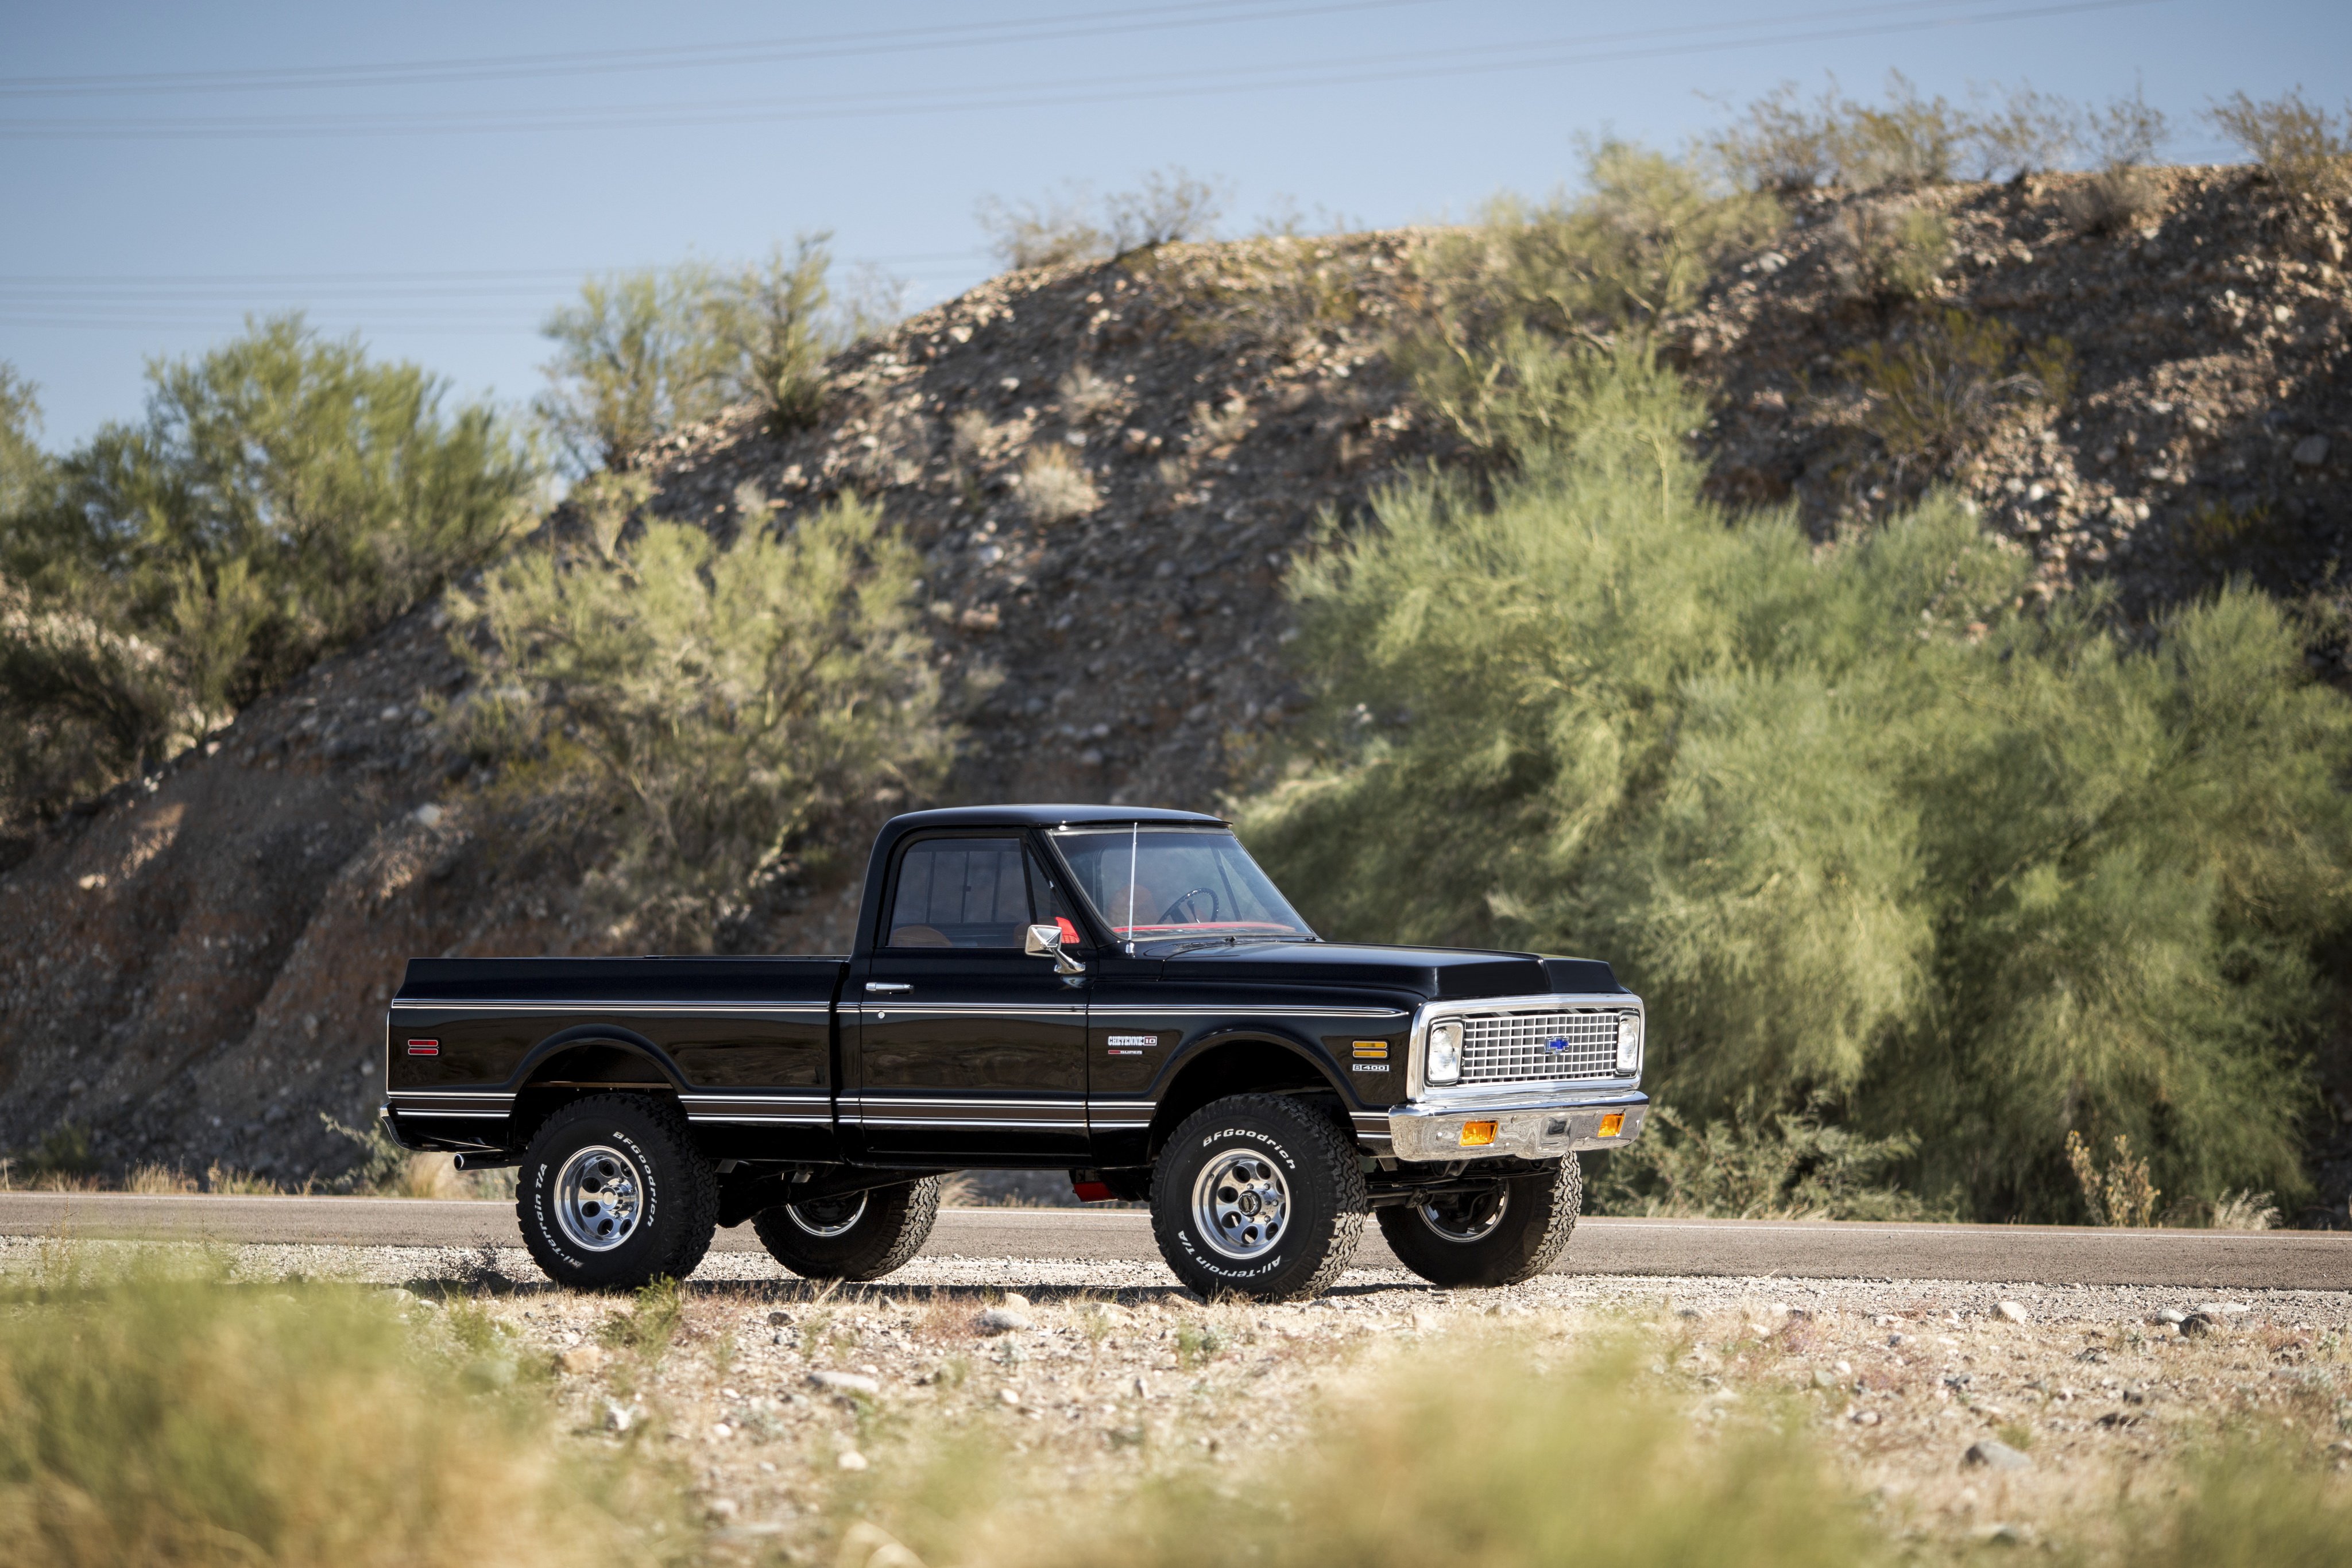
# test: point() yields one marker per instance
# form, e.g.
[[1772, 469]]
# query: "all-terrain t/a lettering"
[[1120, 993]]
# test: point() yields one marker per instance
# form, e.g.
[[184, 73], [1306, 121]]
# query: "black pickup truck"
[[1120, 992]]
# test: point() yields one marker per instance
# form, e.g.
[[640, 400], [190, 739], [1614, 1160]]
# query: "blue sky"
[[437, 176]]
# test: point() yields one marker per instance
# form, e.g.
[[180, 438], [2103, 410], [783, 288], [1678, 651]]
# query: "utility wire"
[[1524, 55], [750, 51]]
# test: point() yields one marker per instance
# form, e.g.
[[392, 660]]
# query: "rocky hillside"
[[193, 967]]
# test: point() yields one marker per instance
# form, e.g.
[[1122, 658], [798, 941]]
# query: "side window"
[[960, 892]]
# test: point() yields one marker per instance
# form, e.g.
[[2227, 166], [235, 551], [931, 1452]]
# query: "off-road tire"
[[1325, 1212], [883, 1238], [1540, 1212], [677, 1193]]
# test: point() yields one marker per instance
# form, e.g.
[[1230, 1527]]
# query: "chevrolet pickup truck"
[[1117, 992]]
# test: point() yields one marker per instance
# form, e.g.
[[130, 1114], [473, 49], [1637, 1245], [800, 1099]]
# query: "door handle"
[[888, 986]]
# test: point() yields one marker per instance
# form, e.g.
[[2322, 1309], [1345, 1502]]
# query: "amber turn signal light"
[[1476, 1134], [1613, 1123]]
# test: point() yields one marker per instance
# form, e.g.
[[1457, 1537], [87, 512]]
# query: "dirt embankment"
[[193, 968]]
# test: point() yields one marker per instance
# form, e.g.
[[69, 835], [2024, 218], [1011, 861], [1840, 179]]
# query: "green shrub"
[[179, 1420], [1635, 248], [1851, 822], [686, 714], [644, 352], [1781, 144], [1756, 1165], [284, 495], [1888, 253], [24, 469], [1943, 385]]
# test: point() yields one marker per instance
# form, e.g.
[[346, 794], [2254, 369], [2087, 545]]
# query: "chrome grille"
[[1516, 1047]]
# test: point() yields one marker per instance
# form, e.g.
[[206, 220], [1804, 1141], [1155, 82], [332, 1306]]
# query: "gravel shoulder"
[[781, 1404]]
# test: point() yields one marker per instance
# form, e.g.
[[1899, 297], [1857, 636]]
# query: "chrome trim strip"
[[616, 1007], [452, 1093], [439, 1112], [979, 1125], [748, 1119], [799, 1097]]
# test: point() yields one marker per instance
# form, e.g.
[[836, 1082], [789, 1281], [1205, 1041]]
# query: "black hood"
[[1435, 973]]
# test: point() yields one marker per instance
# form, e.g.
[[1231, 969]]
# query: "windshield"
[[1149, 884]]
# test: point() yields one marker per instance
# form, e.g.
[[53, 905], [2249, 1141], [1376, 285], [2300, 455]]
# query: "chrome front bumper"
[[1532, 1126]]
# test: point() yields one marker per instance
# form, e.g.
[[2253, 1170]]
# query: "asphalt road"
[[2048, 1255]]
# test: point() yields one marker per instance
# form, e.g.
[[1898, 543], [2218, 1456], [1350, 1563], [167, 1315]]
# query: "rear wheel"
[[1258, 1195], [858, 1235], [613, 1193], [1507, 1234]]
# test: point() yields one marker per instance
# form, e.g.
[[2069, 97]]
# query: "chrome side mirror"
[[1045, 942]]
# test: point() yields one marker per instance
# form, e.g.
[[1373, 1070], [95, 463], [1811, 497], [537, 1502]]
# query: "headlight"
[[1629, 1043], [1444, 1063]]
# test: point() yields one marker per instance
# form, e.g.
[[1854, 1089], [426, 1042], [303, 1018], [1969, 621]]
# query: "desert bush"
[[686, 716], [1851, 820], [2301, 146], [973, 437], [25, 469], [1782, 143], [2122, 1194], [1054, 489], [638, 355], [1635, 248], [1888, 252], [1943, 385], [284, 495], [773, 322], [644, 352], [2122, 191], [1085, 397], [1166, 206], [1755, 1164], [182, 1420], [2026, 132]]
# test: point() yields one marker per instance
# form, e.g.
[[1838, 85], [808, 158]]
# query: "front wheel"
[[1504, 1235], [613, 1194], [858, 1235], [1258, 1195]]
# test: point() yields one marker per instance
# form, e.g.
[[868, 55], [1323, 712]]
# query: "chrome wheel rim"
[[1465, 1219], [828, 1216], [1241, 1204], [598, 1196]]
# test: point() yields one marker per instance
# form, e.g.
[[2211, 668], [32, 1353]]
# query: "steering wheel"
[[1168, 915]]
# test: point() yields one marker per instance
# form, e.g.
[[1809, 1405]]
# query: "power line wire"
[[752, 51], [1524, 55]]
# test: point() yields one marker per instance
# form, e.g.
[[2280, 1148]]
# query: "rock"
[[618, 1418], [777, 1320], [2311, 452], [846, 1383], [2196, 1326], [429, 815], [1994, 1454], [575, 1359], [2170, 1315], [1005, 1320], [2014, 1312], [1865, 1417], [1009, 1396], [851, 1460]]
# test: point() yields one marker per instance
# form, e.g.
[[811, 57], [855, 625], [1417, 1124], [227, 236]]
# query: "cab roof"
[[1041, 817]]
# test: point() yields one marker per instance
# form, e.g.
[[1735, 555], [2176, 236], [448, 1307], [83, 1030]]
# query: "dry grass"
[[1086, 397], [172, 1419], [1054, 489]]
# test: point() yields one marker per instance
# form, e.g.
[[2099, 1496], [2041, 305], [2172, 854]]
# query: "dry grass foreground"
[[175, 1417]]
